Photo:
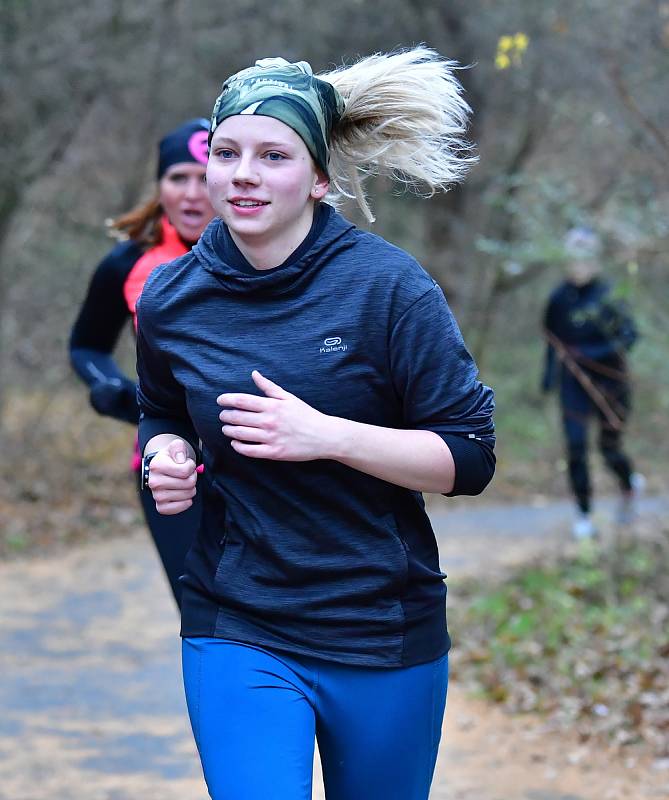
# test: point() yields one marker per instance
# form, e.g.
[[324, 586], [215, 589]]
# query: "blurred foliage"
[[584, 640], [510, 50], [72, 484]]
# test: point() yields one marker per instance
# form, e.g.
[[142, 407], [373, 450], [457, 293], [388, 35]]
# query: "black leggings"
[[172, 535], [577, 406]]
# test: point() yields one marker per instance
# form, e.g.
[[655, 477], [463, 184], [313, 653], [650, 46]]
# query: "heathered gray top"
[[312, 557]]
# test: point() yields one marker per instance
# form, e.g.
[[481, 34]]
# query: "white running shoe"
[[583, 527], [638, 484]]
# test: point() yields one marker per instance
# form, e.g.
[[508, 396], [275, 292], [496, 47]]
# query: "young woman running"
[[323, 372], [158, 231]]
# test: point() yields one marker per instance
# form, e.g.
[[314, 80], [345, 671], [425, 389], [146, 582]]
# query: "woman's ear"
[[321, 186]]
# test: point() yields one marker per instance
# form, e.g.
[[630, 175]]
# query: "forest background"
[[571, 123]]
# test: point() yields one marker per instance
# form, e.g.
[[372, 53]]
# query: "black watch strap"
[[146, 463]]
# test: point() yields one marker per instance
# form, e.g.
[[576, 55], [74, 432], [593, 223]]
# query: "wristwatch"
[[146, 463]]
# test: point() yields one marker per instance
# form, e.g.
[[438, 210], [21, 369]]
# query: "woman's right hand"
[[172, 478]]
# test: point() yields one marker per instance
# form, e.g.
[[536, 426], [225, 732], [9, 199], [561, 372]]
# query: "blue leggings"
[[255, 715]]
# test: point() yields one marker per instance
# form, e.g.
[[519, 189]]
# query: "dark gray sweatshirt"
[[312, 558]]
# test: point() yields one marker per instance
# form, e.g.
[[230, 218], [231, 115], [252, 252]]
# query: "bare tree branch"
[[647, 124]]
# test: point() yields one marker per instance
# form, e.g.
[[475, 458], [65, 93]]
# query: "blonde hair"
[[405, 117]]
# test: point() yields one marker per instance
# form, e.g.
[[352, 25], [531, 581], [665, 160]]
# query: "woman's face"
[[184, 198], [582, 271], [263, 182]]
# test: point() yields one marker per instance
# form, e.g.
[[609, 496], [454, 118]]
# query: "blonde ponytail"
[[405, 117]]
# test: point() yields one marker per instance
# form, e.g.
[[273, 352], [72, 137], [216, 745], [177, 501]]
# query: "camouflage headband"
[[288, 92]]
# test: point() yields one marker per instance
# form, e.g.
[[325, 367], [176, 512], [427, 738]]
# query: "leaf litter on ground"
[[582, 639]]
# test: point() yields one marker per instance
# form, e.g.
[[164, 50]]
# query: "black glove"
[[116, 398]]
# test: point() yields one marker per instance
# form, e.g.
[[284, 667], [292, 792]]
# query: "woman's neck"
[[264, 253]]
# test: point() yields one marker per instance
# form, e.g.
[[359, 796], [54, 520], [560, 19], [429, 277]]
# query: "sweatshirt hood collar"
[[214, 253]]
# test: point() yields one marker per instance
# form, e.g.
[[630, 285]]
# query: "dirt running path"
[[92, 706]]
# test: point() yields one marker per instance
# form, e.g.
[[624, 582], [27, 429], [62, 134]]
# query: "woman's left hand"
[[278, 426]]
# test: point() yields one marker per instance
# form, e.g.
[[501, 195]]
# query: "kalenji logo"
[[332, 345]]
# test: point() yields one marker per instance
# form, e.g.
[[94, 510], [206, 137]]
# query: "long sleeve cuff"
[[474, 464], [154, 426]]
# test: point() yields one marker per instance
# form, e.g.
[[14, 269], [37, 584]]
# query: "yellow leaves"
[[505, 43], [521, 40], [510, 50], [502, 61]]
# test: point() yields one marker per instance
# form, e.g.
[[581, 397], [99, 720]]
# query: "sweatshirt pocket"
[[220, 516], [403, 551]]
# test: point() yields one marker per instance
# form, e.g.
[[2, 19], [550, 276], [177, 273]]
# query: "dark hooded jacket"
[[594, 326], [312, 558]]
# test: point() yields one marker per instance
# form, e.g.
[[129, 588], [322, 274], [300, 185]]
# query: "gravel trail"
[[92, 705]]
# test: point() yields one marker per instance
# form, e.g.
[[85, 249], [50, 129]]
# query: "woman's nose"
[[195, 188], [245, 171]]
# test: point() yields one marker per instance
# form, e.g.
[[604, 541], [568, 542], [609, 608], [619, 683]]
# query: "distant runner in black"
[[589, 332], [156, 232]]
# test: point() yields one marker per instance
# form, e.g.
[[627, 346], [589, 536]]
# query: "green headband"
[[288, 92]]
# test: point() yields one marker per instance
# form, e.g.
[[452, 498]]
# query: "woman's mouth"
[[192, 214], [248, 203]]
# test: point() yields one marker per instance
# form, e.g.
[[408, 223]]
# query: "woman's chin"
[[190, 233]]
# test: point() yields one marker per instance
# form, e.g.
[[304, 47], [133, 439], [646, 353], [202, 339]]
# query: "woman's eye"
[[275, 156], [178, 178], [225, 154]]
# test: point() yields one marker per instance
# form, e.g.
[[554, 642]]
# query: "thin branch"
[[631, 105]]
